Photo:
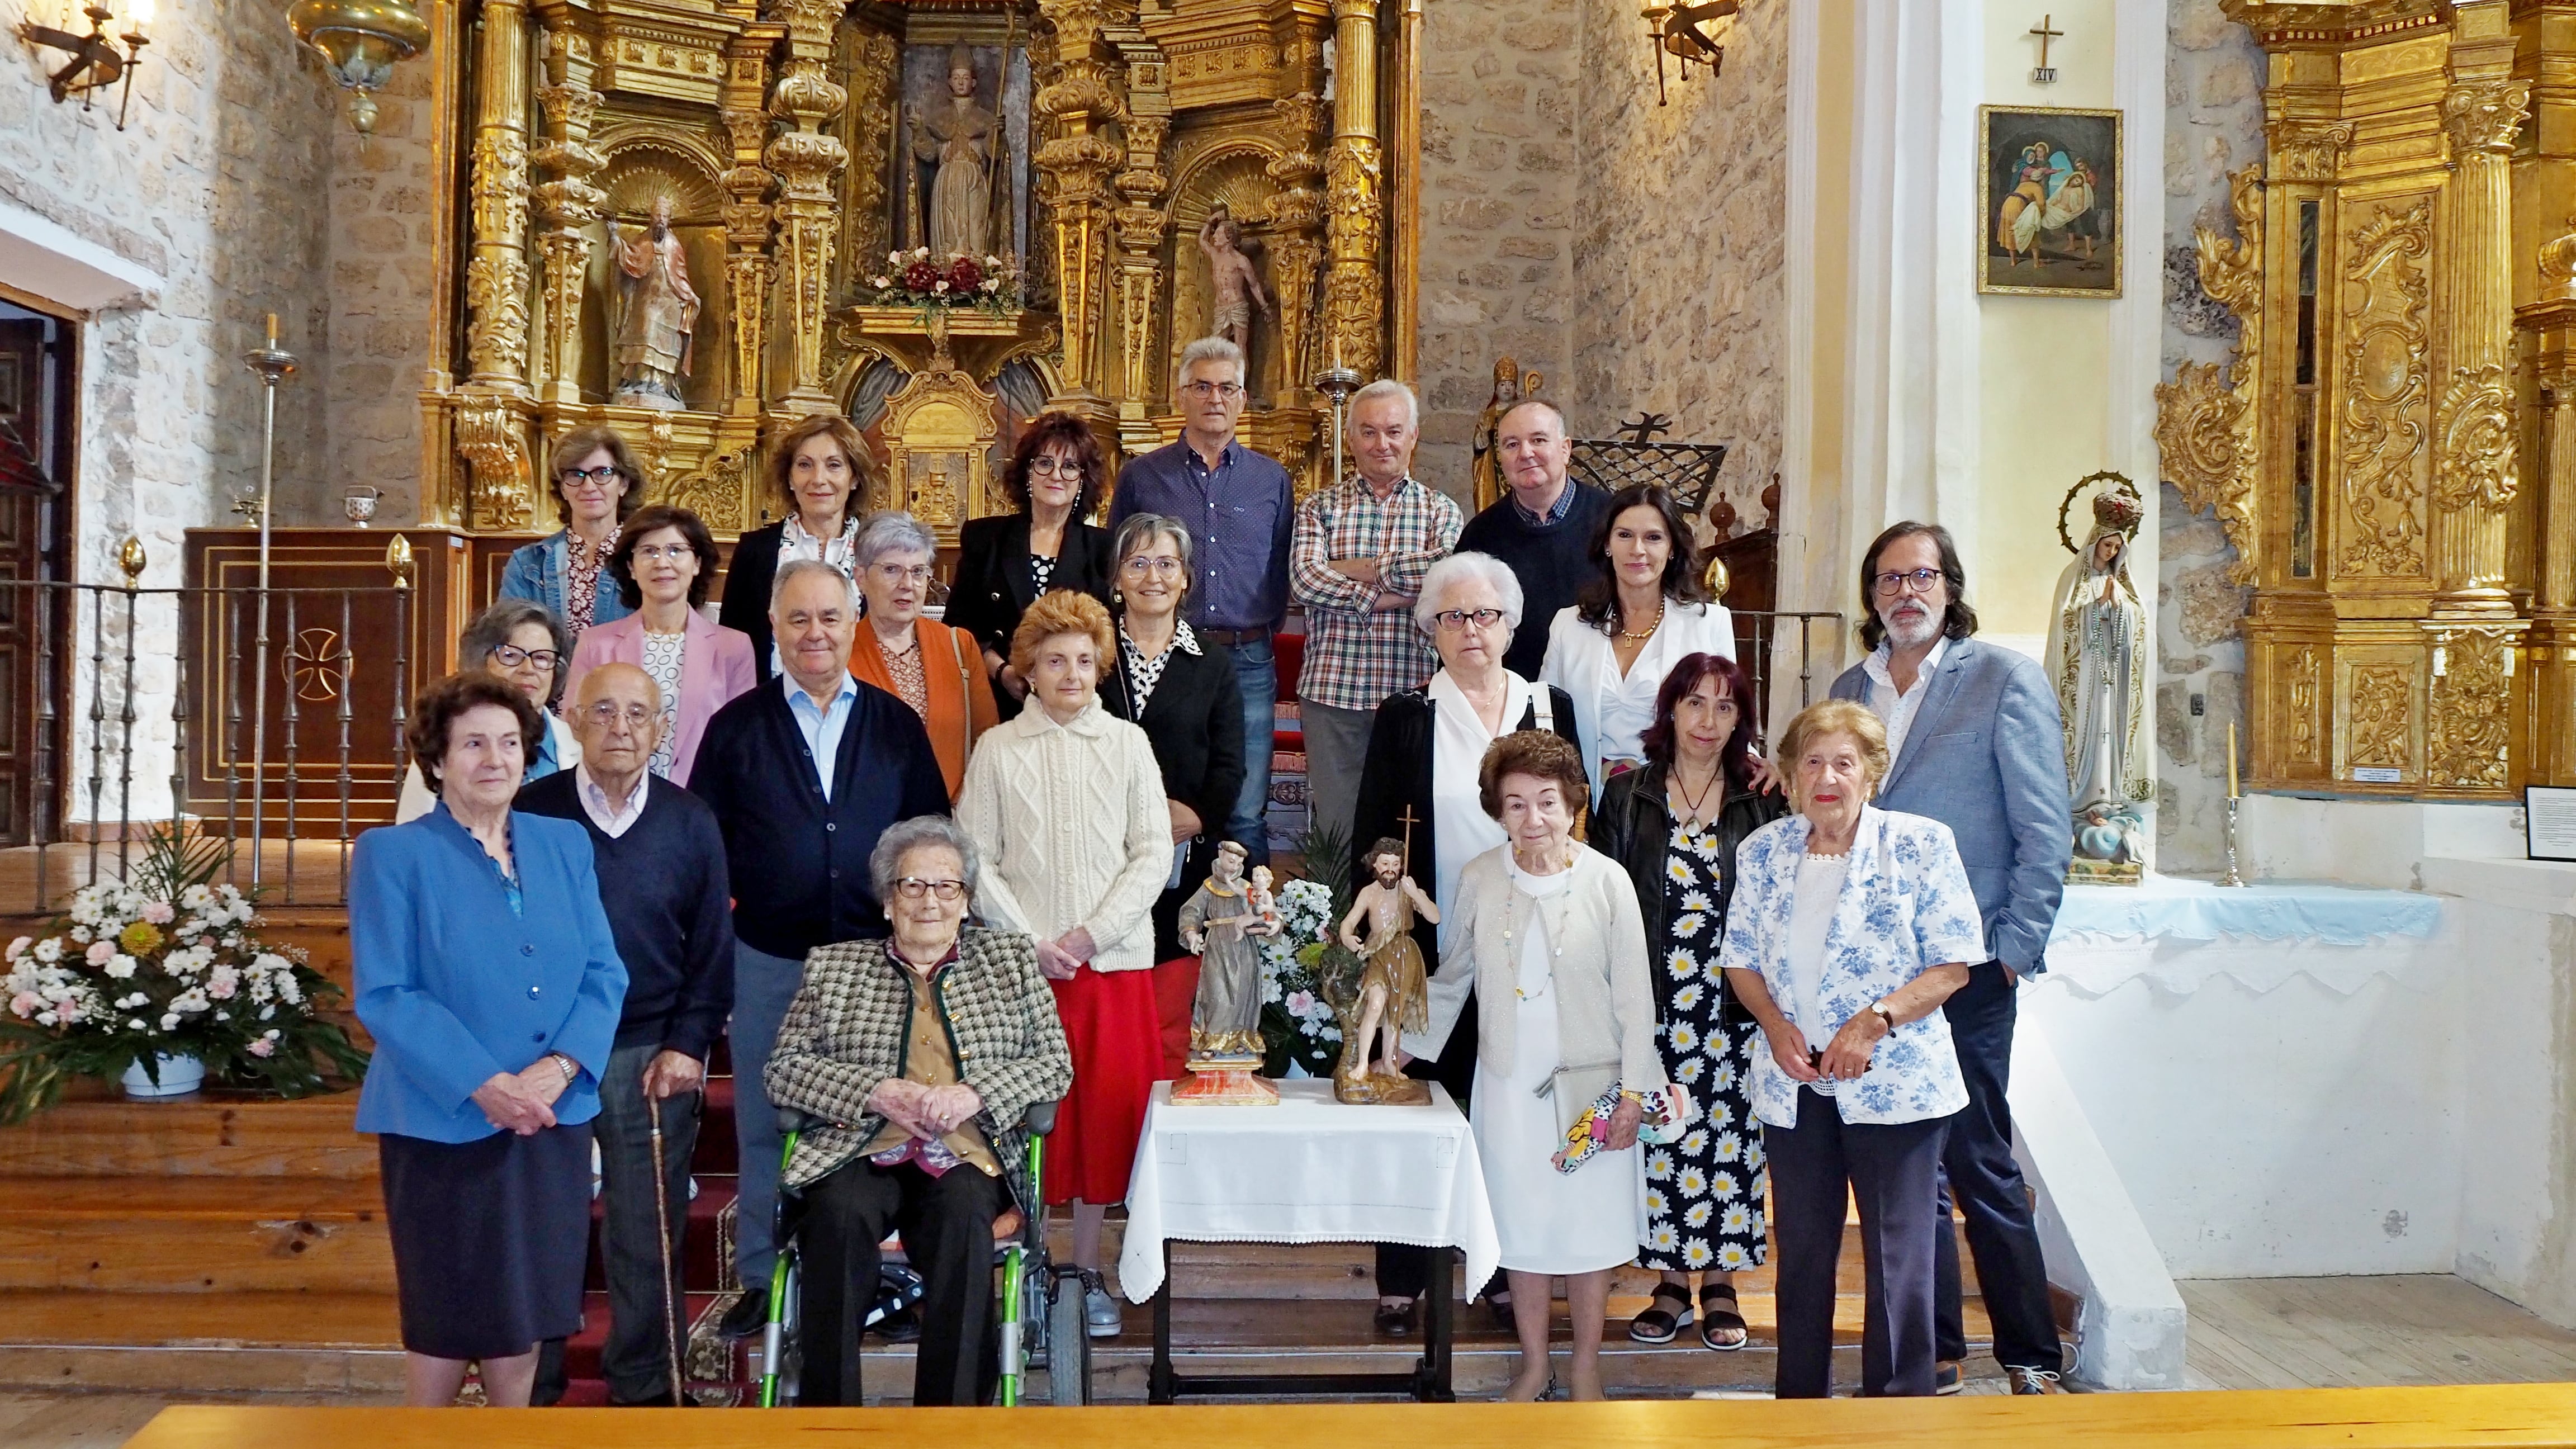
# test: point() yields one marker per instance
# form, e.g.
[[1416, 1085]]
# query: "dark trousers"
[[1986, 1183], [634, 1361], [1888, 1171], [947, 1227], [1403, 1270]]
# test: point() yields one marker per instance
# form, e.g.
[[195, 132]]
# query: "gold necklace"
[[1650, 628]]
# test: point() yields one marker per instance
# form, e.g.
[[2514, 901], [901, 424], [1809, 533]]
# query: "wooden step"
[[209, 1134], [179, 1343], [194, 1235]]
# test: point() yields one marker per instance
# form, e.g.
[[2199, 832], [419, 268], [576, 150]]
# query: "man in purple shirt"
[[1240, 508]]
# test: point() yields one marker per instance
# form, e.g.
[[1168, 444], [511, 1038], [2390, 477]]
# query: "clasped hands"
[[1064, 955], [929, 1113], [522, 1102], [1846, 1057]]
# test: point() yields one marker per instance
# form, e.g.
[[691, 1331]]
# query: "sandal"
[[1715, 1320], [1658, 1324]]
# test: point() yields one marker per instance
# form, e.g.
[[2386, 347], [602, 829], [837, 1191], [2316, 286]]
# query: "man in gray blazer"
[[1977, 745]]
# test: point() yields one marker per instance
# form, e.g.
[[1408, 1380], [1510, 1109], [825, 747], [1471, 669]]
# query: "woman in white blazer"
[[1644, 612]]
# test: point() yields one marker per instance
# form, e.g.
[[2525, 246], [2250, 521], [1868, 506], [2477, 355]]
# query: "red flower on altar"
[[921, 276], [964, 275]]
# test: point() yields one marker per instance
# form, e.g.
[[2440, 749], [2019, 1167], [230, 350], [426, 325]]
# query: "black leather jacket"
[[1634, 826]]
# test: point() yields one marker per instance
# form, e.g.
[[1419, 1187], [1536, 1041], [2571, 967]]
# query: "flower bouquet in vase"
[[158, 980]]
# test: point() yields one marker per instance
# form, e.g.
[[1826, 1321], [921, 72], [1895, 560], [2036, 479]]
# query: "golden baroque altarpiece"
[[780, 131], [2392, 450]]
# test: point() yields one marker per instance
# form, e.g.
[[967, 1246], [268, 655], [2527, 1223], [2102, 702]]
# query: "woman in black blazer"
[[1190, 709], [821, 466], [1004, 562]]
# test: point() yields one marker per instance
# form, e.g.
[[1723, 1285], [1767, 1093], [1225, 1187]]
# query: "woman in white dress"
[[1564, 1013], [1647, 609]]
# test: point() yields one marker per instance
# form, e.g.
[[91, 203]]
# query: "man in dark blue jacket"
[[803, 773]]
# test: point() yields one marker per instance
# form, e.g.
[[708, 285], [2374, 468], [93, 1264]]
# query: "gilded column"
[[1073, 172], [489, 428], [2474, 430], [1355, 291], [748, 268], [2552, 325], [567, 202], [1296, 247], [804, 157], [1141, 224]]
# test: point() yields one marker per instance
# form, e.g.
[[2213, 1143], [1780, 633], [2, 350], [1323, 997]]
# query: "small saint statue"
[[956, 140], [658, 316], [2097, 659], [1394, 988], [1511, 388], [1233, 281], [1222, 922]]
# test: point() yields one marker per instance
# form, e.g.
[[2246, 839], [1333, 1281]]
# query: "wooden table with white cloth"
[[1309, 1170]]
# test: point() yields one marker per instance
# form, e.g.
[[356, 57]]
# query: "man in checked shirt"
[[1356, 562]]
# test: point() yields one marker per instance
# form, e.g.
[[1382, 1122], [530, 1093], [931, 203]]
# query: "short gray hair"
[[493, 627], [1387, 387], [893, 531], [906, 836], [799, 567], [1458, 568], [1141, 529], [1210, 349]]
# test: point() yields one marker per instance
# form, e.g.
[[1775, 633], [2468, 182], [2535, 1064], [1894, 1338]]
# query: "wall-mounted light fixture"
[[360, 42], [95, 61], [1694, 32]]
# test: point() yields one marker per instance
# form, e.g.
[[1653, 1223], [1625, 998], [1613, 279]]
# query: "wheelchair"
[[1040, 1324]]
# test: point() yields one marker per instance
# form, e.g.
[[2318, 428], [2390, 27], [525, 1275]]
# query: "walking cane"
[[662, 1230]]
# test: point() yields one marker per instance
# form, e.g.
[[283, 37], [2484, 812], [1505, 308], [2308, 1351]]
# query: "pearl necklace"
[[1519, 991]]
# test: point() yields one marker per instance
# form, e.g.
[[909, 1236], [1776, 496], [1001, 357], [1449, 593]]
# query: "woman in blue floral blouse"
[[1850, 926]]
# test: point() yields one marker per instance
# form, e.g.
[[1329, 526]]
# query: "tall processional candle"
[[2231, 759]]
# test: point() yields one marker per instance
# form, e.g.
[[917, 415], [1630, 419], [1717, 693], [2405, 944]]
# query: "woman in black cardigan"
[[821, 467], [1423, 756], [1674, 824], [1004, 562]]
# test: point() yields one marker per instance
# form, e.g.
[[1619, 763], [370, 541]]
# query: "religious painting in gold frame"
[[2048, 214]]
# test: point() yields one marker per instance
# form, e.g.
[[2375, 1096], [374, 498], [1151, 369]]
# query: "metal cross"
[[2045, 73], [1643, 427]]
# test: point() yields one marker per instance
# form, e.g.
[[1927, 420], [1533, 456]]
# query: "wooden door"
[[37, 388]]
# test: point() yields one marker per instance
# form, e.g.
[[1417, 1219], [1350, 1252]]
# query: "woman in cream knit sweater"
[[1066, 804]]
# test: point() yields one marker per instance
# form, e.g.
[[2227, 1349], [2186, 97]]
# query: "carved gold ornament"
[[2477, 455], [2386, 384], [2468, 729], [2382, 717]]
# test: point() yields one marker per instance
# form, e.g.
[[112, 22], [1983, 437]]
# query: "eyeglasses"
[[1161, 568], [1454, 620], [1047, 466], [913, 888], [1205, 389], [1917, 582], [903, 573], [512, 656], [656, 552], [606, 713], [603, 476]]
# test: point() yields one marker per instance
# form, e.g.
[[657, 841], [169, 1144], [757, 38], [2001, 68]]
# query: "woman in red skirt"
[[1066, 804]]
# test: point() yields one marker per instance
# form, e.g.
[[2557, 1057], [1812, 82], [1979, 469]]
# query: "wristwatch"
[[571, 1068], [1886, 1018]]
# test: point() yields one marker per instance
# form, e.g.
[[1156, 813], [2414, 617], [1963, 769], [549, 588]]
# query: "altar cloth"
[[2172, 907], [1309, 1170]]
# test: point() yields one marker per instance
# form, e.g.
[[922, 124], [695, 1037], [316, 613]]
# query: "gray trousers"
[[763, 985], [1336, 747], [1888, 1170], [634, 1360]]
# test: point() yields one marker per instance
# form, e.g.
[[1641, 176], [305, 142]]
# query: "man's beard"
[[1911, 630]]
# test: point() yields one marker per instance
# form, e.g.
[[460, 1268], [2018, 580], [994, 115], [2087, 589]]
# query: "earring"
[[1117, 598]]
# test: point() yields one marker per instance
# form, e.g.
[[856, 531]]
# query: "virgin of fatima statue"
[[2097, 658], [956, 139]]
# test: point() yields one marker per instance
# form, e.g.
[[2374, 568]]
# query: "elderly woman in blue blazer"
[[487, 974], [1850, 926]]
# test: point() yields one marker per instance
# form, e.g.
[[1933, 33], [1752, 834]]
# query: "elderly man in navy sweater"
[[803, 773], [661, 868]]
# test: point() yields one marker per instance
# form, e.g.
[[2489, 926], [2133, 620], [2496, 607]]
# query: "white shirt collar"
[[1875, 666], [796, 692], [613, 818]]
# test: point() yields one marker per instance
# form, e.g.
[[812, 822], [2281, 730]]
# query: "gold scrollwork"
[[2469, 729], [2307, 149], [2477, 453], [2201, 434], [2304, 677], [488, 439], [714, 492], [2386, 381], [2381, 717]]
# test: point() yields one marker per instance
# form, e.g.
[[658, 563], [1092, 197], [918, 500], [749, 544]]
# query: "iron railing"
[[1760, 635]]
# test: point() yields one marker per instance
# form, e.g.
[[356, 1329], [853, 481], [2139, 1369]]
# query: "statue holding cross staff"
[[1394, 990]]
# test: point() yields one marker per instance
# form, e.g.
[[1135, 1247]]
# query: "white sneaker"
[[1100, 1312]]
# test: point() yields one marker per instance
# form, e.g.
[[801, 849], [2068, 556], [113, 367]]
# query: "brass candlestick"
[[274, 365], [1337, 383], [2231, 878]]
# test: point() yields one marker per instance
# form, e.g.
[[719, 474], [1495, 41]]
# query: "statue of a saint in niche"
[[657, 316], [1234, 282], [957, 140]]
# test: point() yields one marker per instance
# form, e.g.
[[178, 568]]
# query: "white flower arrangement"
[[1296, 1019]]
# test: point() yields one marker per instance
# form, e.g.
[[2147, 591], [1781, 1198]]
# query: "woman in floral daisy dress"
[[1674, 825]]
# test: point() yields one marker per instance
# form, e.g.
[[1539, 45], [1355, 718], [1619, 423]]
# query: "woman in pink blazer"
[[665, 561]]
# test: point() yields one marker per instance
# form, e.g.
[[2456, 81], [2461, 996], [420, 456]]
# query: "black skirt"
[[490, 1238]]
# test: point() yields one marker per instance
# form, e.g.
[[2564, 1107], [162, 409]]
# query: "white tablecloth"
[[1309, 1170]]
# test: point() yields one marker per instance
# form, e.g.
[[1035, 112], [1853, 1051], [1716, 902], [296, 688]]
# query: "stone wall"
[[2213, 125], [1500, 83], [382, 205], [1680, 296]]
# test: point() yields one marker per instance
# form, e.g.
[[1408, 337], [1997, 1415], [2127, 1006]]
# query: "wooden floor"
[[2245, 1334]]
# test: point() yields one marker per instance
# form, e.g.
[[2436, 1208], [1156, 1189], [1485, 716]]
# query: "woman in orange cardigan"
[[936, 669]]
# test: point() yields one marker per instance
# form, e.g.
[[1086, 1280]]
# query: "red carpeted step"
[[699, 1269], [581, 1351], [717, 1149]]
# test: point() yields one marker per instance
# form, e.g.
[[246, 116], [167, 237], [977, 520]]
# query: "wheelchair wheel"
[[1068, 1342]]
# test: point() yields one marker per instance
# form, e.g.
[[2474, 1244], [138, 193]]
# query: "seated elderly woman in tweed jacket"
[[920, 1052]]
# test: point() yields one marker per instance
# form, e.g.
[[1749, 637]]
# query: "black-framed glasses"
[[603, 475], [1205, 389], [913, 888], [512, 656], [1917, 581], [1454, 620]]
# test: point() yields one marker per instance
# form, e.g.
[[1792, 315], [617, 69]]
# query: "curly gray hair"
[[893, 531], [493, 627], [885, 863], [1457, 568]]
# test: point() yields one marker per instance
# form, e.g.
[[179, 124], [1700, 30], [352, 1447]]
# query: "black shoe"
[[1946, 1377], [901, 1326], [747, 1317]]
